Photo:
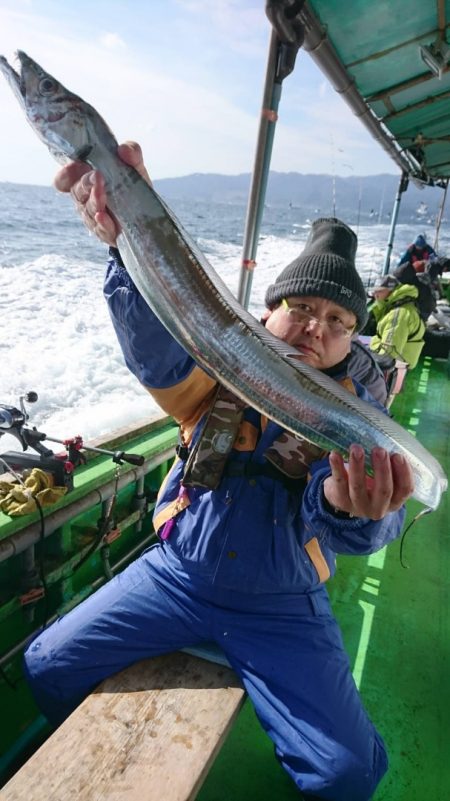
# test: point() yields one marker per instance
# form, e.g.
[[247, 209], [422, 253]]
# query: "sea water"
[[56, 335]]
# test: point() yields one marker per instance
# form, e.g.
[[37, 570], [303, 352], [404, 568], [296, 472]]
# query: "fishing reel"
[[12, 420], [61, 465]]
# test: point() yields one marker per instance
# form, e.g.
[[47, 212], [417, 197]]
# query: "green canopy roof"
[[371, 52]]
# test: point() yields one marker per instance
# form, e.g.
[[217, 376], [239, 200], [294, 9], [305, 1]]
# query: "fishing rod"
[[61, 466], [13, 421]]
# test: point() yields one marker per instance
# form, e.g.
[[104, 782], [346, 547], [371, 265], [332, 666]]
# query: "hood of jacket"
[[402, 293]]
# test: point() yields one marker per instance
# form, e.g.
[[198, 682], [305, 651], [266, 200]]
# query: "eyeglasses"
[[301, 313]]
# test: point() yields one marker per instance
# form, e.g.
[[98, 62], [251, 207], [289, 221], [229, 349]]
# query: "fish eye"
[[47, 86]]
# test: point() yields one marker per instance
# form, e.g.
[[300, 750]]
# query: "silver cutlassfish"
[[195, 305]]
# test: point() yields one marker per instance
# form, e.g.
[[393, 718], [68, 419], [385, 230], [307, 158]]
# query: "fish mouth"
[[15, 78], [11, 75], [24, 60]]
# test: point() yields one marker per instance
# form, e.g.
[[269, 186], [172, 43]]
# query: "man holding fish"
[[249, 520]]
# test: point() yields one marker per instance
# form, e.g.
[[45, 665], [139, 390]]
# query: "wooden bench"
[[148, 733]]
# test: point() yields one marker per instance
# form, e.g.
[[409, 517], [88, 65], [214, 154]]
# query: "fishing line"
[[103, 525], [402, 541], [41, 561]]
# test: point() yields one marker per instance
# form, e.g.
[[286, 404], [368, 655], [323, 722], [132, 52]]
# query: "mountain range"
[[372, 195]]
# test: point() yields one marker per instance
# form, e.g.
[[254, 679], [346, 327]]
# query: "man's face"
[[381, 293], [317, 328]]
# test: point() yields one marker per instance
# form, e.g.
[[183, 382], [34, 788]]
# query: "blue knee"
[[342, 776], [355, 780], [51, 685]]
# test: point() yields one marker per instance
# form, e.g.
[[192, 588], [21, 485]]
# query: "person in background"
[[434, 272], [426, 300], [247, 539], [418, 254], [400, 330]]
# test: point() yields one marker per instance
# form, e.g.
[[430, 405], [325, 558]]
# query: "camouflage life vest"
[[288, 456], [206, 461]]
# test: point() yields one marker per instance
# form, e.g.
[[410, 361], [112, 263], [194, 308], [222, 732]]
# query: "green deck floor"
[[395, 623]]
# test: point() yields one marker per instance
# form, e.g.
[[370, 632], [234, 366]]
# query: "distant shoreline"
[[371, 197]]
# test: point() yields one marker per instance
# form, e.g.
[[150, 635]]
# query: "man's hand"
[[87, 188], [351, 490]]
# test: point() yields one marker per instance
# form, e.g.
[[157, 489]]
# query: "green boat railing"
[[42, 574]]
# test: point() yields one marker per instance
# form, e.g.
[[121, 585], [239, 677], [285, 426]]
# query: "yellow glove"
[[18, 499]]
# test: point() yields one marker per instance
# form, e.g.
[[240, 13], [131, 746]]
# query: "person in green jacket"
[[400, 329]]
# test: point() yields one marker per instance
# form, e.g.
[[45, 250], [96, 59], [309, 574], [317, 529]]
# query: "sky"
[[182, 77]]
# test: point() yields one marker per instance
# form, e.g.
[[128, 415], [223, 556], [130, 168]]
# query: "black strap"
[[115, 254], [290, 32], [284, 17], [415, 332], [182, 451]]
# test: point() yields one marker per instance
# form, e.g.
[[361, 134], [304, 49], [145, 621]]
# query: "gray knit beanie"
[[325, 268]]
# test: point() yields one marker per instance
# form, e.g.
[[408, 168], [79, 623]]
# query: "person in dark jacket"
[[417, 254], [244, 562], [433, 273]]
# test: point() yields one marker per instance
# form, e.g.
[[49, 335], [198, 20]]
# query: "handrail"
[[402, 187], [285, 40]]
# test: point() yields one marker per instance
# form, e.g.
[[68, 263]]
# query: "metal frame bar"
[[385, 94], [323, 53], [260, 174], [428, 101]]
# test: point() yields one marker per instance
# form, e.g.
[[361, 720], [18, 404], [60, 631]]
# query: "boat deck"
[[395, 622]]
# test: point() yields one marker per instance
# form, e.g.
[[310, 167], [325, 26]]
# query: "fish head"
[[61, 119]]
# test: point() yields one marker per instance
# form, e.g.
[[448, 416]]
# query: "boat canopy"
[[391, 63]]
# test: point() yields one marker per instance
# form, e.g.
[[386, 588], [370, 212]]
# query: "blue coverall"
[[236, 569]]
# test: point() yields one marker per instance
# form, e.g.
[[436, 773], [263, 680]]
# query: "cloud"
[[194, 109], [184, 127], [111, 40]]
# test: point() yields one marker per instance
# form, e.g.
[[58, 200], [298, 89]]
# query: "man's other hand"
[[87, 188], [350, 489]]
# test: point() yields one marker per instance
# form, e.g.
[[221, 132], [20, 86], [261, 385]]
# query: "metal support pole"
[[402, 187], [255, 206], [285, 40], [439, 218]]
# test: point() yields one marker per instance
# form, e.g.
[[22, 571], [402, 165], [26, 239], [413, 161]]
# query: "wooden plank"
[[148, 733]]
